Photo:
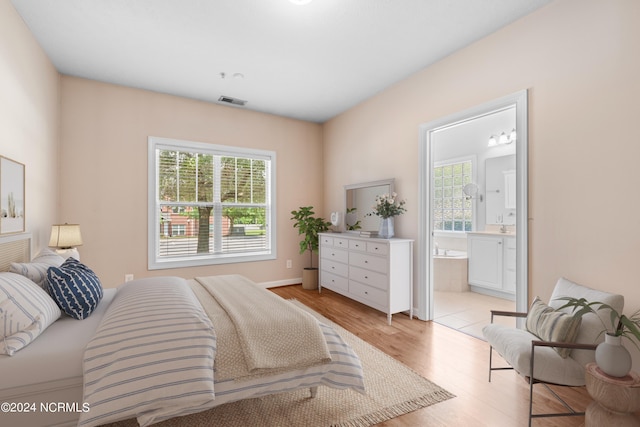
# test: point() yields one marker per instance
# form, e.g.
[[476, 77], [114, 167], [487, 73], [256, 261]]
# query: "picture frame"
[[12, 196]]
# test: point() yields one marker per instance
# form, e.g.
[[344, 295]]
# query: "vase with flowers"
[[387, 206]]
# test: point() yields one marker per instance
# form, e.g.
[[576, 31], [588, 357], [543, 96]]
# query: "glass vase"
[[386, 228]]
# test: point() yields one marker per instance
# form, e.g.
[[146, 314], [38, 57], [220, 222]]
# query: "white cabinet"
[[375, 272], [492, 264]]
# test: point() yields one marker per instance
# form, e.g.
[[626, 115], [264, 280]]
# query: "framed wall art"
[[11, 196]]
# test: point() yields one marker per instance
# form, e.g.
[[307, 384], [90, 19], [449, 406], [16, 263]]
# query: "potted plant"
[[309, 227], [611, 356]]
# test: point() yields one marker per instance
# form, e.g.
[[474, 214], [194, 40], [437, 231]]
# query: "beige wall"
[[103, 181], [579, 59], [29, 120]]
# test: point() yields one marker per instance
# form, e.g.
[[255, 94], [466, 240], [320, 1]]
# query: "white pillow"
[[36, 270], [26, 310]]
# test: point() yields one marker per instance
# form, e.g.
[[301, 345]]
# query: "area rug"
[[393, 389]]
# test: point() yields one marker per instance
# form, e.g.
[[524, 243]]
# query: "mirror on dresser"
[[362, 198]]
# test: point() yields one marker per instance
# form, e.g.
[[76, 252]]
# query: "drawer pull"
[[366, 262], [366, 292], [366, 277], [333, 267]]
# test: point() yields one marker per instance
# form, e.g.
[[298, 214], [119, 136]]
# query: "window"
[[209, 204], [452, 210]]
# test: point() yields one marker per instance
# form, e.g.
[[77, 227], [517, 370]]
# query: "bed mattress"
[[63, 343]]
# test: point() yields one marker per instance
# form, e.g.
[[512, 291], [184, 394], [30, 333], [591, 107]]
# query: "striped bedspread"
[[151, 357]]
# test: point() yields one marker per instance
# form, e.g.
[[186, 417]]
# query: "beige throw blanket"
[[273, 333]]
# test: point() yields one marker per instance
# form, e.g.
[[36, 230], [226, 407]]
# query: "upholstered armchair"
[[553, 344]]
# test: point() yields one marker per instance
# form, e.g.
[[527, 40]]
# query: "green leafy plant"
[[309, 226], [621, 325]]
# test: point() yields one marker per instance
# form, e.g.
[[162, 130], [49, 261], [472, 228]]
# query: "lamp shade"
[[65, 236]]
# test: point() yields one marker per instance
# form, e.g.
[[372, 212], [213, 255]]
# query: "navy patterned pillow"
[[75, 288]]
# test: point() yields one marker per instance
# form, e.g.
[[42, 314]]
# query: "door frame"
[[425, 308]]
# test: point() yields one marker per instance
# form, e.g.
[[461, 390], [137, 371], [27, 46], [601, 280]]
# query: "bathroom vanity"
[[492, 263]]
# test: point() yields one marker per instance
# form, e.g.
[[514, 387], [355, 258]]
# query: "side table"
[[615, 399]]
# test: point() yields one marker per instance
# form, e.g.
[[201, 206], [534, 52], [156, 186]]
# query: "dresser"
[[375, 272]]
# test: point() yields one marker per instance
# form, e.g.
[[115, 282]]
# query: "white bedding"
[[53, 363], [54, 355]]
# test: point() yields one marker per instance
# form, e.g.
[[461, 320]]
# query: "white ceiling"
[[308, 62]]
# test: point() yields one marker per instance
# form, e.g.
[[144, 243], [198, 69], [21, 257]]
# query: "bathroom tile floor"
[[468, 312]]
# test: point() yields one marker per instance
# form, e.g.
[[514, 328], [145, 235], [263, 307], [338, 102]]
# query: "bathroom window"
[[452, 210]]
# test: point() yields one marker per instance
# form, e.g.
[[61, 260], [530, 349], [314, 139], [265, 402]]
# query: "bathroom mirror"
[[500, 190], [359, 201]]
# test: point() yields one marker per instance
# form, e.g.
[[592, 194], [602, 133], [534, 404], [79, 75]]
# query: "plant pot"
[[310, 278], [612, 357]]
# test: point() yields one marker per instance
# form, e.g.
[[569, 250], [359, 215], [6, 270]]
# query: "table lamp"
[[65, 237]]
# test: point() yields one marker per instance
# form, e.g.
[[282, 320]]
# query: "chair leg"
[[531, 393], [490, 359], [571, 411]]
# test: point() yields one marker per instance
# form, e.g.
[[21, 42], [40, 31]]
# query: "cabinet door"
[[509, 278], [485, 261]]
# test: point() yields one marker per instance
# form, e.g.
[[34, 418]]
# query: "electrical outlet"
[[289, 265], [128, 277]]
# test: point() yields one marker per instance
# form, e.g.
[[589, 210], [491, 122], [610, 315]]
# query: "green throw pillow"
[[551, 325]]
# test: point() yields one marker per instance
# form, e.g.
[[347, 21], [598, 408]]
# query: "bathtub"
[[450, 253], [450, 271]]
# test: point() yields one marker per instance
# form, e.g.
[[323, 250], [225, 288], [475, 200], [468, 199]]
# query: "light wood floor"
[[455, 361]]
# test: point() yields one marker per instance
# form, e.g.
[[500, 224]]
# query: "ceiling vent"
[[230, 100]]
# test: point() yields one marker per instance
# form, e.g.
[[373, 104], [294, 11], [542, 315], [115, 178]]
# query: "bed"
[[69, 374]]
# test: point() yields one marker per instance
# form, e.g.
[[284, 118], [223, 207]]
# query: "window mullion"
[[217, 204]]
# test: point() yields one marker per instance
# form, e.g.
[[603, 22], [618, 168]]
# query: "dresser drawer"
[[334, 254], [333, 281], [326, 241], [376, 296], [378, 248], [369, 277], [339, 242], [367, 261], [357, 245], [335, 267]]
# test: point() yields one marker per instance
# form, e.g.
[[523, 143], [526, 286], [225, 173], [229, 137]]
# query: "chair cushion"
[[591, 329], [552, 325], [514, 345]]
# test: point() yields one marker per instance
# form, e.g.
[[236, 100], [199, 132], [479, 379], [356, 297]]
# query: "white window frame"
[[474, 207], [155, 262]]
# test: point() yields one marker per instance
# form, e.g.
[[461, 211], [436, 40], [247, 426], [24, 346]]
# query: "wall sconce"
[[65, 237], [503, 139]]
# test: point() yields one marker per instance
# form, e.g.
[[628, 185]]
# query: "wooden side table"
[[615, 399]]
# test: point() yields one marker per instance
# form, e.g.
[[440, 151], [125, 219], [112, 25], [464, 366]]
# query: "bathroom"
[[474, 220]]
